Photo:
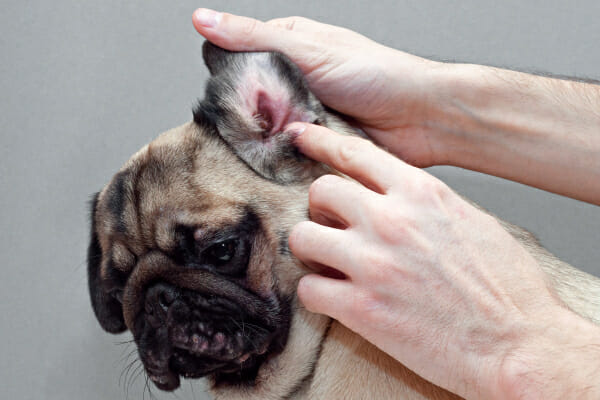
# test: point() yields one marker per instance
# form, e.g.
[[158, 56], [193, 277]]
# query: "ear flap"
[[107, 308], [216, 58], [250, 98], [265, 87]]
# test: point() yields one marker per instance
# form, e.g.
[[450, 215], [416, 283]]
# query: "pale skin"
[[429, 279]]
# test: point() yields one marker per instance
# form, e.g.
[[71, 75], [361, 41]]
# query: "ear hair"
[[108, 310], [249, 99], [215, 58]]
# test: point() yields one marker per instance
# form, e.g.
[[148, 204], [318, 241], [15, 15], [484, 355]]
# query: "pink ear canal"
[[273, 113], [264, 112]]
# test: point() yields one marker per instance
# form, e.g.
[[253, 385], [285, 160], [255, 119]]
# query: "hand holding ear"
[[535, 130], [429, 279], [386, 91]]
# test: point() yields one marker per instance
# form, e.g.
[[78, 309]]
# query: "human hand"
[[429, 279], [388, 93]]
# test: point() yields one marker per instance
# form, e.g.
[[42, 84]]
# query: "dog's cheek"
[[107, 309], [272, 268], [259, 276]]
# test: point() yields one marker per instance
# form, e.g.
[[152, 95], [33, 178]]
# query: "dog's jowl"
[[189, 251]]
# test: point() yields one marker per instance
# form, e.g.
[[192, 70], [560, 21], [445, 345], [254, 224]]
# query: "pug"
[[189, 251]]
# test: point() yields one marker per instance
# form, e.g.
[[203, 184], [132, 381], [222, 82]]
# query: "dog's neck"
[[351, 367], [291, 370]]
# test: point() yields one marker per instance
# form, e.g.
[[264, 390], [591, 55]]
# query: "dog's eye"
[[221, 253]]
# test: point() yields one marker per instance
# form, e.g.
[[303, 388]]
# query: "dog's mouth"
[[183, 333]]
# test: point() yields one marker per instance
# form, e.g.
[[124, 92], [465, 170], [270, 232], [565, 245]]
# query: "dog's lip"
[[199, 338], [196, 356], [222, 366], [199, 354], [217, 346], [165, 380]]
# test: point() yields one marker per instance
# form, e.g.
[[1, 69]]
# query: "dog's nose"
[[158, 300]]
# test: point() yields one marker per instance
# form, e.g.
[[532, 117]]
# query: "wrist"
[[458, 118], [539, 131], [409, 122], [444, 101], [556, 361]]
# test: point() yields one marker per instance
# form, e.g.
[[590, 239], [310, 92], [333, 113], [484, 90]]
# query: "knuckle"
[[373, 311], [430, 188], [364, 303], [322, 183], [284, 23], [349, 149], [300, 19], [377, 267], [289, 23], [249, 27], [393, 227]]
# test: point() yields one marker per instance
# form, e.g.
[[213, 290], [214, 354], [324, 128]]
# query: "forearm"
[[561, 361], [539, 131]]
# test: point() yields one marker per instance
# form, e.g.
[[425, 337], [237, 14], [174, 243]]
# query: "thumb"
[[236, 33]]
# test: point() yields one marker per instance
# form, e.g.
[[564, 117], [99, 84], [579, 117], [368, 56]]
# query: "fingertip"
[[204, 18], [305, 291], [296, 237], [295, 130], [303, 134]]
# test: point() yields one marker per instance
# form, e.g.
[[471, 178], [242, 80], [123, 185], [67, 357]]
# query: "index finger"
[[358, 158], [239, 33]]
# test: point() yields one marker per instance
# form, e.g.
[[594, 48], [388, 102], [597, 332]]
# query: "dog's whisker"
[[243, 324], [127, 355], [137, 372], [125, 342], [174, 394], [125, 382], [145, 387], [148, 386], [130, 371], [78, 266], [192, 390], [125, 372]]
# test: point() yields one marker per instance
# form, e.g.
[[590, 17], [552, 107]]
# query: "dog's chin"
[[199, 335]]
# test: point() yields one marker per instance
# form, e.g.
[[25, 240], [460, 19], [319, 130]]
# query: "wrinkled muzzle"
[[192, 323]]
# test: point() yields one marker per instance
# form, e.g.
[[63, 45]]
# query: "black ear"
[[107, 308], [216, 58]]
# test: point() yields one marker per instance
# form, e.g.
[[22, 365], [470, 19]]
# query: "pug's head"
[[189, 239]]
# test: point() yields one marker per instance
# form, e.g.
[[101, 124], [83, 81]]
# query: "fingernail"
[[294, 129], [207, 18]]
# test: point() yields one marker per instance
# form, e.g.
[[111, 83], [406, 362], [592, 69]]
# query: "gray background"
[[84, 85]]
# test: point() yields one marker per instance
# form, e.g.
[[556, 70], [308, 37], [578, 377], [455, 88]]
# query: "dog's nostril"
[[165, 299], [149, 309], [158, 300]]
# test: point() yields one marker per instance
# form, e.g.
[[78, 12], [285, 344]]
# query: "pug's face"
[[189, 239]]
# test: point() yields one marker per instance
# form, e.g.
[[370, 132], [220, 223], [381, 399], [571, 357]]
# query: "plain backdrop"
[[85, 84]]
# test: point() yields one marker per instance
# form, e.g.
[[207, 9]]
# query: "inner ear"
[[250, 98], [264, 112], [273, 111]]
